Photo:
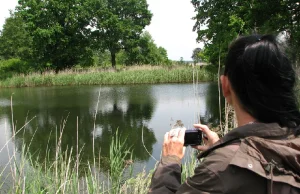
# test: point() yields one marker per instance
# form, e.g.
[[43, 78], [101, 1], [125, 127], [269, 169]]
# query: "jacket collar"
[[263, 130]]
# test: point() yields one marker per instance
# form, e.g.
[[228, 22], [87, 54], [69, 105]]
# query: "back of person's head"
[[263, 79]]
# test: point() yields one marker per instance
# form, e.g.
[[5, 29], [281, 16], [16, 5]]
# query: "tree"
[[15, 42], [119, 23], [146, 52], [197, 55], [216, 25], [219, 22], [59, 30], [164, 56]]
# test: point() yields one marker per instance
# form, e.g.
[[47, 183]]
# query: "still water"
[[132, 110]]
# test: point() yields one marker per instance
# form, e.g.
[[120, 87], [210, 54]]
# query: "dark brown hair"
[[263, 79]]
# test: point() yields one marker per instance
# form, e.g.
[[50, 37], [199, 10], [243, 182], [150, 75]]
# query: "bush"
[[211, 68], [15, 66]]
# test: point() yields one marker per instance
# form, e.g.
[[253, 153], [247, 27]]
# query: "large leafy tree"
[[219, 22], [119, 23], [59, 30], [15, 42], [216, 24], [146, 52]]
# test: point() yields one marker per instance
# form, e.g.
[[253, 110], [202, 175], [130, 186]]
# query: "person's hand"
[[173, 144], [209, 137]]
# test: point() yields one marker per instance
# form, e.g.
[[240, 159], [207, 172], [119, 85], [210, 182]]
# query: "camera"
[[192, 137]]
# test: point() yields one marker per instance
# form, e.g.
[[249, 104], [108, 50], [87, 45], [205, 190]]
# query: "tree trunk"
[[113, 59]]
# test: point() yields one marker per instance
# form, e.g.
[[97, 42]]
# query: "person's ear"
[[226, 88]]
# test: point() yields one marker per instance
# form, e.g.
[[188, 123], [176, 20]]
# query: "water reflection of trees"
[[53, 106], [212, 113]]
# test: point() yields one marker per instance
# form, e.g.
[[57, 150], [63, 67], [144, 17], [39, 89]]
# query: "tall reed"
[[126, 76], [27, 175]]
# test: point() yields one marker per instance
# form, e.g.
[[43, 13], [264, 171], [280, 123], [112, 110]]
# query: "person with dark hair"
[[261, 155]]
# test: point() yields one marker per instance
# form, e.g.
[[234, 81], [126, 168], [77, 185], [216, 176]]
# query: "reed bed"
[[66, 174], [134, 75]]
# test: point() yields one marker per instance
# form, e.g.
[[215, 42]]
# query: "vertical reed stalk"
[[95, 117], [77, 156], [219, 89]]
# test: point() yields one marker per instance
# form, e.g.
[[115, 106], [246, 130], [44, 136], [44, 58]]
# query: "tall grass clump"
[[66, 174], [28, 173], [135, 75], [188, 167]]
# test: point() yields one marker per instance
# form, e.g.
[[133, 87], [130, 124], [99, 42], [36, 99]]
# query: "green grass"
[[66, 173], [134, 75]]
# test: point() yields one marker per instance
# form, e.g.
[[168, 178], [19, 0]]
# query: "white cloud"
[[171, 25], [5, 6]]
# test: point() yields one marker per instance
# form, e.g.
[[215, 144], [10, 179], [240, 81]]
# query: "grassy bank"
[[134, 75], [67, 174]]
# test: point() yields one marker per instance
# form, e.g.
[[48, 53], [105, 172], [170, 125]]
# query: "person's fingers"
[[207, 133], [183, 150], [173, 143], [174, 138], [169, 135], [203, 128], [211, 137], [181, 134], [166, 137], [165, 145], [205, 141]]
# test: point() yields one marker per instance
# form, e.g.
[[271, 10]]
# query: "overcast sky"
[[171, 25]]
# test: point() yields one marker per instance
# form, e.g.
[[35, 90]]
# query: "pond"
[[134, 110]]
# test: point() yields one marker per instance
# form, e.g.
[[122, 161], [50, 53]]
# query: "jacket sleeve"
[[204, 181], [167, 179], [167, 176]]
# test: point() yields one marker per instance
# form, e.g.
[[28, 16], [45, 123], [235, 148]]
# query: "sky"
[[171, 25]]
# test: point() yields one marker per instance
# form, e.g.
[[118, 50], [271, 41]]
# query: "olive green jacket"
[[253, 159]]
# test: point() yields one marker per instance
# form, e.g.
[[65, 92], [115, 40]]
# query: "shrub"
[[15, 66]]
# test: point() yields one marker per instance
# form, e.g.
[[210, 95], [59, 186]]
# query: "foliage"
[[189, 166], [146, 53], [118, 24], [15, 42], [58, 30], [14, 65], [197, 57], [59, 35], [102, 58], [181, 61], [117, 158], [219, 22]]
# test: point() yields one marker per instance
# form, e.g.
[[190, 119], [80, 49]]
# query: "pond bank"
[[134, 75], [68, 174]]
